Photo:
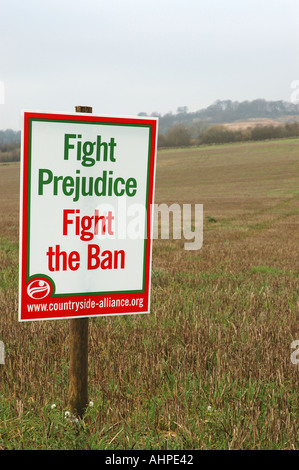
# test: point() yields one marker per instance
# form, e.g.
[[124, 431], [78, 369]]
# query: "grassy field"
[[210, 367]]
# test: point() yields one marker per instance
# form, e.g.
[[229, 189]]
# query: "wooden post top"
[[83, 109]]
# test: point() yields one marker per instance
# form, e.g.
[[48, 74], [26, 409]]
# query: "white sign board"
[[86, 215]]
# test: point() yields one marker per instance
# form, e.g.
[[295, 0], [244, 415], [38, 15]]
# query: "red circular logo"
[[39, 288]]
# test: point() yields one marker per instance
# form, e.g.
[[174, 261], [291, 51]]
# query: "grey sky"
[[127, 56]]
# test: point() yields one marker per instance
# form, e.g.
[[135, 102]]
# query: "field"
[[210, 367], [249, 123]]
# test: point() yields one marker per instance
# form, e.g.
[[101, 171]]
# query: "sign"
[[87, 190]]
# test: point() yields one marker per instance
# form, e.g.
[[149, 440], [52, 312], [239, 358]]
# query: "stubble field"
[[210, 367]]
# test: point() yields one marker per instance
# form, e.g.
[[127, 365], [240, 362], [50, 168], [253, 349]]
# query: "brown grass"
[[210, 367]]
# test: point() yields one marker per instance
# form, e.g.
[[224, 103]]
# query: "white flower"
[[209, 408], [67, 414], [53, 406], [91, 403]]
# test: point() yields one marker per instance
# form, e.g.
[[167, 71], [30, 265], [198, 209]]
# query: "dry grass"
[[250, 123], [253, 122], [210, 367]]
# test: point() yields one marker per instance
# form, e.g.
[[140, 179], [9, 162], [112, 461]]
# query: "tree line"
[[10, 152], [10, 145], [9, 136], [224, 111], [182, 136]]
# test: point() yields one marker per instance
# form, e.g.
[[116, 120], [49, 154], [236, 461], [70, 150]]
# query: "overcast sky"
[[126, 56]]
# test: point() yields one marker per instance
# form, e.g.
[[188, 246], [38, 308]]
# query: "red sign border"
[[113, 303]]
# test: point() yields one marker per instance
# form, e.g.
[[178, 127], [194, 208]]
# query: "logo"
[[39, 288]]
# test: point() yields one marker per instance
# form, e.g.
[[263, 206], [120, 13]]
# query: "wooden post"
[[78, 376], [83, 109]]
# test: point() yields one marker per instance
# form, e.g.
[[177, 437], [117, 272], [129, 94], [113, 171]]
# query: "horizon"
[[173, 113]]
